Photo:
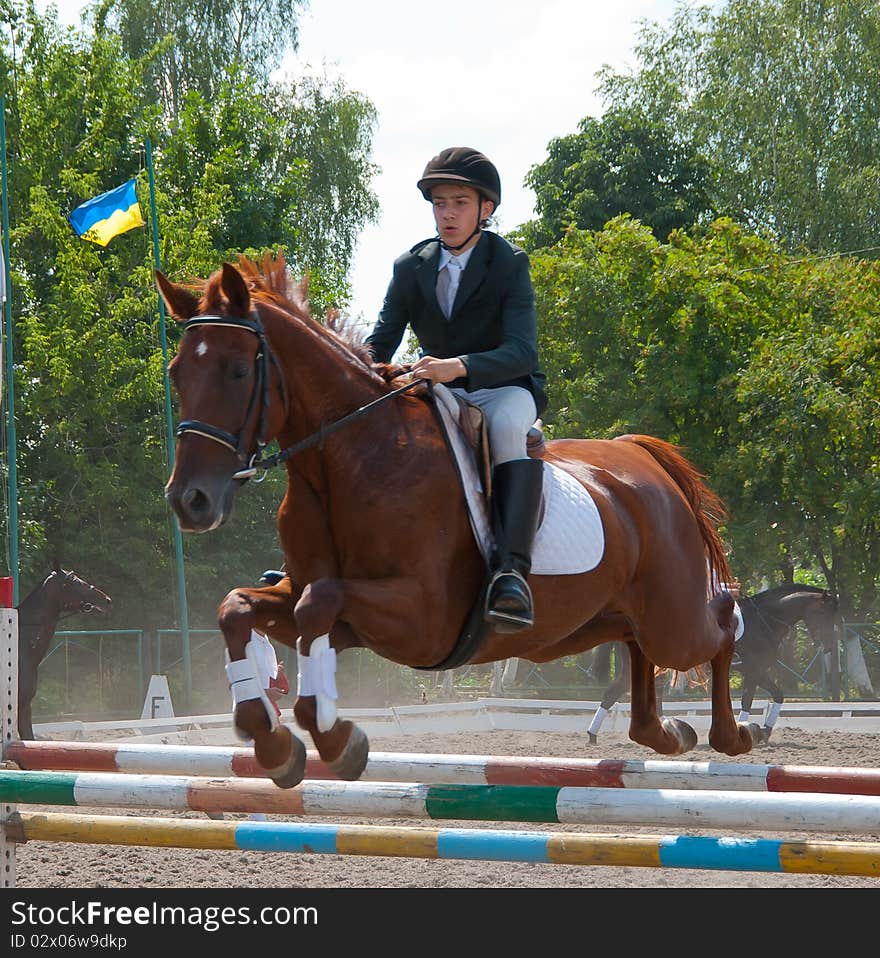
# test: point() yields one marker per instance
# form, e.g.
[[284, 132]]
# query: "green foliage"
[[621, 163], [253, 167], [761, 365], [784, 95]]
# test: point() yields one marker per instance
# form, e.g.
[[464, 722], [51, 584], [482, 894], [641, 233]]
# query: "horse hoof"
[[294, 769], [686, 736], [758, 735], [592, 737], [351, 763]]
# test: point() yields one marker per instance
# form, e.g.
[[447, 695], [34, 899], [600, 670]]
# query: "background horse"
[[60, 593], [377, 537], [767, 618]]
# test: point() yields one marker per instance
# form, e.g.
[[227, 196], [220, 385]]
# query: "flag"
[[100, 219]]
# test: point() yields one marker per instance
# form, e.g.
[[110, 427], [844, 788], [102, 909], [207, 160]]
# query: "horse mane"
[[788, 588], [271, 282]]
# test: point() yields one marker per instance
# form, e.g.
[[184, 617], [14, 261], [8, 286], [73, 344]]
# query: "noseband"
[[260, 394]]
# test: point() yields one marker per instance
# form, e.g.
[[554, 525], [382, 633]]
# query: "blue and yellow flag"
[[107, 215]]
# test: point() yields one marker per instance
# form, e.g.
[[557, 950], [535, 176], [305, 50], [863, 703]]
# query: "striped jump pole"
[[853, 814], [220, 761], [561, 848]]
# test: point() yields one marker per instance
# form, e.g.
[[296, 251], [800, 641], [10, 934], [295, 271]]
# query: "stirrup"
[[505, 621]]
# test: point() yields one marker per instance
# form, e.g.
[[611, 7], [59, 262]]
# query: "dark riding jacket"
[[492, 329]]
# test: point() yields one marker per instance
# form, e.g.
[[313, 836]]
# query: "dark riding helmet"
[[461, 164]]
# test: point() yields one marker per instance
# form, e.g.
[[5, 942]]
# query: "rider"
[[468, 297]]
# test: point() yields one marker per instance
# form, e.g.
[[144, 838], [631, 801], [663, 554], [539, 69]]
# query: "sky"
[[501, 76]]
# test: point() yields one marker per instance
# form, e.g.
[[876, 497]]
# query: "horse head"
[[77, 595], [231, 403], [821, 618]]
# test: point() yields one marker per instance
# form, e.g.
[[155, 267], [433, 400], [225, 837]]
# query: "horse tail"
[[707, 507]]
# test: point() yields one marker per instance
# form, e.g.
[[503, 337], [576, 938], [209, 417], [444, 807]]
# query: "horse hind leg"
[[614, 693], [668, 736], [725, 734]]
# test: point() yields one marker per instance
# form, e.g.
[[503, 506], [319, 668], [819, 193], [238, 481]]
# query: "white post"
[[9, 705]]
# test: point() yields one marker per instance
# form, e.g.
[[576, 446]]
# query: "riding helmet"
[[461, 164]]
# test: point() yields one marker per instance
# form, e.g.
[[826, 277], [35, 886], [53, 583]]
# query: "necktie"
[[447, 286], [443, 284]]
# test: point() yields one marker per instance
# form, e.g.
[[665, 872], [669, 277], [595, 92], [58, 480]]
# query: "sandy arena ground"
[[49, 865]]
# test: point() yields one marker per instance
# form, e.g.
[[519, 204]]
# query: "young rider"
[[468, 297]]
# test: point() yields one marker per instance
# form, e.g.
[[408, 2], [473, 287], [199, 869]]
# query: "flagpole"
[[10, 390], [178, 539]]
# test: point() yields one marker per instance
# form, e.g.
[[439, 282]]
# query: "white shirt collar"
[[461, 260]]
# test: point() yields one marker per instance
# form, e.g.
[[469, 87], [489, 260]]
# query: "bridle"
[[768, 617], [83, 605], [65, 580], [251, 462], [259, 395]]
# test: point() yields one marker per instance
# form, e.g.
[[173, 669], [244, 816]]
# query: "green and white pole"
[[178, 539]]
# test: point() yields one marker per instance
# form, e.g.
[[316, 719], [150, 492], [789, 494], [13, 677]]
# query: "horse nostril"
[[195, 502]]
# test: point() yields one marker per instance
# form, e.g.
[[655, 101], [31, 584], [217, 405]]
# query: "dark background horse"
[[768, 617], [61, 593]]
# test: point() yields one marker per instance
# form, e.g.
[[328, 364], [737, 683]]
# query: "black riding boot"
[[516, 500]]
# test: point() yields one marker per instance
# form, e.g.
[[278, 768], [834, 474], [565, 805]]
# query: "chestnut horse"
[[375, 531]]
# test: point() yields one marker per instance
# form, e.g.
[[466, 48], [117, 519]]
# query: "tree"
[[200, 46], [784, 95], [620, 163], [233, 176], [761, 365]]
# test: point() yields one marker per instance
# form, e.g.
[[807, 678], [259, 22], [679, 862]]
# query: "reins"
[[262, 359], [317, 438]]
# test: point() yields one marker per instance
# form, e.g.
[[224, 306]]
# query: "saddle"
[[472, 423]]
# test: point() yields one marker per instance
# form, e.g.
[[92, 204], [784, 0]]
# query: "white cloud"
[[504, 76]]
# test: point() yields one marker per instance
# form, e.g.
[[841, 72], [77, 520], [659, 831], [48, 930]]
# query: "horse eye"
[[240, 370]]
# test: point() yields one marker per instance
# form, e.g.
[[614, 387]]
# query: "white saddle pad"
[[570, 538]]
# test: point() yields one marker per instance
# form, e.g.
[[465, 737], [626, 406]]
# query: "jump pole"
[[561, 848], [455, 769], [852, 814], [9, 724]]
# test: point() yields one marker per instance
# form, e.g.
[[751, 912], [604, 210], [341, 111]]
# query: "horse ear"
[[181, 303], [56, 565], [235, 289]]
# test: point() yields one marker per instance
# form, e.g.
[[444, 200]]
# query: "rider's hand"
[[438, 370]]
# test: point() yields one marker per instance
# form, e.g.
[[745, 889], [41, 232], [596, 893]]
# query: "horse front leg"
[[389, 612], [269, 610], [725, 734], [614, 693], [778, 696], [27, 690], [668, 736]]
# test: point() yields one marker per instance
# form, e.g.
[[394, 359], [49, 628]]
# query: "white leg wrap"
[[245, 685], [772, 714], [317, 676], [744, 716], [598, 719], [740, 625]]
